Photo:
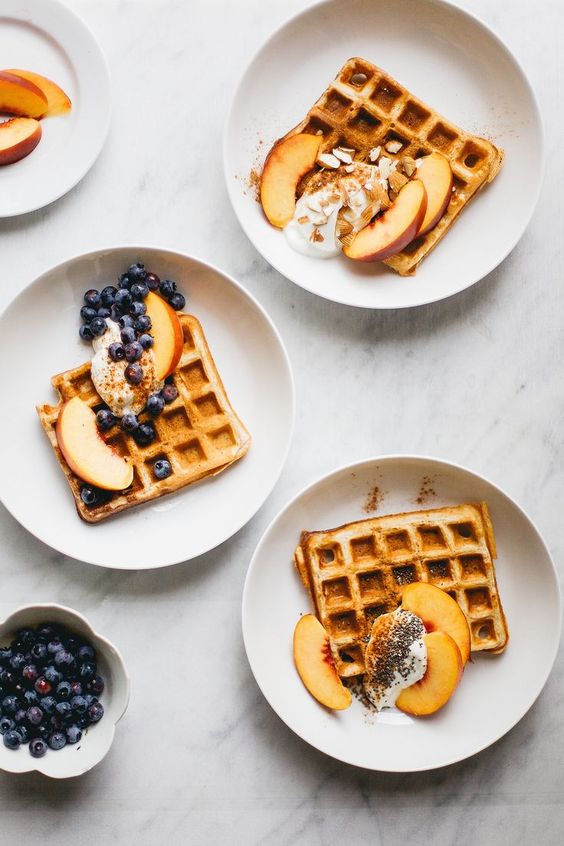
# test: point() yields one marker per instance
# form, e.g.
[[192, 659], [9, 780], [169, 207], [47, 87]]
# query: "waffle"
[[199, 433], [376, 109], [356, 572]]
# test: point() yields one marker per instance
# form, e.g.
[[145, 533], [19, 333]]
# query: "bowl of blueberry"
[[63, 689]]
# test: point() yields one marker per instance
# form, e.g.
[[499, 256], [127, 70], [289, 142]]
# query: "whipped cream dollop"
[[395, 657], [337, 204], [109, 379]]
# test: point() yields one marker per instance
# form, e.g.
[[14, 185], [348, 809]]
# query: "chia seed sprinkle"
[[389, 654]]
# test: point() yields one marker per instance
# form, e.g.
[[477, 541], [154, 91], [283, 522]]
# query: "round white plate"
[[447, 58], [495, 691], [46, 37], [40, 328]]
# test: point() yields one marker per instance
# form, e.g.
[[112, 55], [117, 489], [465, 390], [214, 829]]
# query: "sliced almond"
[[381, 196], [328, 160], [409, 165], [304, 219], [350, 168], [374, 154], [343, 155], [314, 204], [316, 236], [396, 181], [394, 146], [385, 167]]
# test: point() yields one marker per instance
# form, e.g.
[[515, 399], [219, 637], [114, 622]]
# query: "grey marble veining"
[[475, 379]]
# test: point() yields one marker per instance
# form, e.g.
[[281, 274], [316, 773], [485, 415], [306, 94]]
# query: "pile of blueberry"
[[49, 689]]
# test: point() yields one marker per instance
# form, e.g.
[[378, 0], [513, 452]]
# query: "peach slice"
[[21, 97], [444, 671], [167, 332], [285, 165], [18, 137], [394, 229], [86, 452], [57, 101], [439, 612], [436, 175], [315, 665]]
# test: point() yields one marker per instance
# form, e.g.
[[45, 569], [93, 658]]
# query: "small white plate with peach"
[[54, 103], [358, 143], [452, 702]]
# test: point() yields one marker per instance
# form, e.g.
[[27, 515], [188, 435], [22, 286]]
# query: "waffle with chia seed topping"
[[356, 572], [199, 433], [365, 108]]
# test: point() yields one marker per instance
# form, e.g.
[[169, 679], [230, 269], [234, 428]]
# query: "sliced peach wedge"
[[439, 612], [86, 452], [287, 162], [167, 332], [435, 173], [315, 665], [394, 229], [21, 97], [444, 671], [18, 137], [57, 101]]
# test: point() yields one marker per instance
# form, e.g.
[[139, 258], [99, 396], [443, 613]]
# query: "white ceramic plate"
[[46, 37], [446, 57], [495, 691], [253, 365]]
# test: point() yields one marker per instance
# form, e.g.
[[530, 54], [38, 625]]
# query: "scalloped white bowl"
[[96, 741]]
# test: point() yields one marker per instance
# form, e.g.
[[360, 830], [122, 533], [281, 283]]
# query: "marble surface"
[[475, 379]]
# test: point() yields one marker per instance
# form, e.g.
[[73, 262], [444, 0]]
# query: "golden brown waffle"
[[199, 433], [357, 572], [364, 107]]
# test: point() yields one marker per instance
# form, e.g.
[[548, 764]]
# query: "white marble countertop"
[[474, 379]]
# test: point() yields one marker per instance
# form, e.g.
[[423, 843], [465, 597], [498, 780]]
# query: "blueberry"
[[104, 418], [134, 374], [46, 632], [116, 313], [37, 748], [88, 313], [34, 715], [73, 734], [57, 740], [177, 301], [42, 686], [92, 298], [76, 688], [169, 393], [126, 321], [123, 299], [155, 404], [152, 281], [9, 705], [12, 739], [79, 704], [53, 646], [89, 495], [128, 335], [85, 333], [137, 309], [98, 326], [104, 312], [167, 288], [38, 651], [136, 272], [64, 691], [31, 697], [139, 290], [96, 685], [162, 468], [64, 659], [108, 295], [6, 724], [20, 715], [145, 434], [25, 732], [87, 652], [124, 282], [25, 638], [129, 422], [30, 673], [96, 712], [5, 654], [48, 704], [146, 341], [143, 323], [87, 670], [63, 710], [133, 351], [17, 661]]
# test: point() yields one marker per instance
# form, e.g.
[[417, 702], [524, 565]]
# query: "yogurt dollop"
[[395, 657]]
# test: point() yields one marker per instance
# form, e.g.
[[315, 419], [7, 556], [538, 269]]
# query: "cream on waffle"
[[199, 433], [356, 572], [365, 108]]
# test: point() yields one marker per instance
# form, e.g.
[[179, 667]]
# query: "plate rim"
[[92, 254], [422, 301], [389, 458], [95, 49]]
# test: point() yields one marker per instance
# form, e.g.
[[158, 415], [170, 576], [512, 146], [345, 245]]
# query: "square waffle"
[[364, 107], [199, 433], [356, 572]]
